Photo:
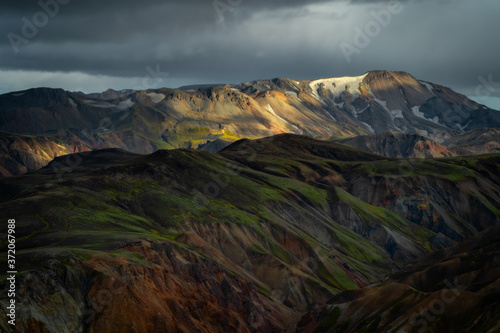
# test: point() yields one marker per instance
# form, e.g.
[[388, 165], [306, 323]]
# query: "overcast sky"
[[93, 45]]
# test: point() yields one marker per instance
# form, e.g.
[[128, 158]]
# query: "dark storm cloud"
[[452, 42]]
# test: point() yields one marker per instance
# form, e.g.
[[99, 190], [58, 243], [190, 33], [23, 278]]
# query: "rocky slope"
[[22, 153], [482, 141], [396, 144], [250, 239], [384, 101], [454, 290], [145, 121]]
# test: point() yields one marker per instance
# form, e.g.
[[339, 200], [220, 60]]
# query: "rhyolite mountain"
[[452, 290], [280, 234], [57, 122], [397, 144]]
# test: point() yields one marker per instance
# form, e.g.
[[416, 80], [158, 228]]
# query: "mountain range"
[[280, 234], [355, 204], [38, 125]]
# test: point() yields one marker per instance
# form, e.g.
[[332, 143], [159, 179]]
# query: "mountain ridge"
[[251, 238], [147, 120]]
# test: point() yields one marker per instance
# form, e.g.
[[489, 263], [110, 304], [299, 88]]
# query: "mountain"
[[108, 94], [396, 144], [148, 120], [263, 236], [22, 153], [381, 100], [198, 86], [475, 142], [460, 283]]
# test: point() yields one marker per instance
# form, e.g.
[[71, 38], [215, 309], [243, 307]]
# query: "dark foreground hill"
[[270, 235], [452, 290]]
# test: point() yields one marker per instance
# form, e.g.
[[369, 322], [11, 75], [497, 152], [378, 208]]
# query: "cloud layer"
[[93, 45]]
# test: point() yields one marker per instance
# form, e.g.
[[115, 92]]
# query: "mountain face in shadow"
[[284, 233], [451, 290]]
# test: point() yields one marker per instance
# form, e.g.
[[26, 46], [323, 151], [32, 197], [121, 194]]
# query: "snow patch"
[[293, 94], [397, 114], [356, 112], [462, 128], [234, 89], [369, 127], [128, 103], [382, 103], [17, 95], [416, 112], [72, 102], [392, 113], [156, 98], [338, 85], [271, 111], [428, 85]]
